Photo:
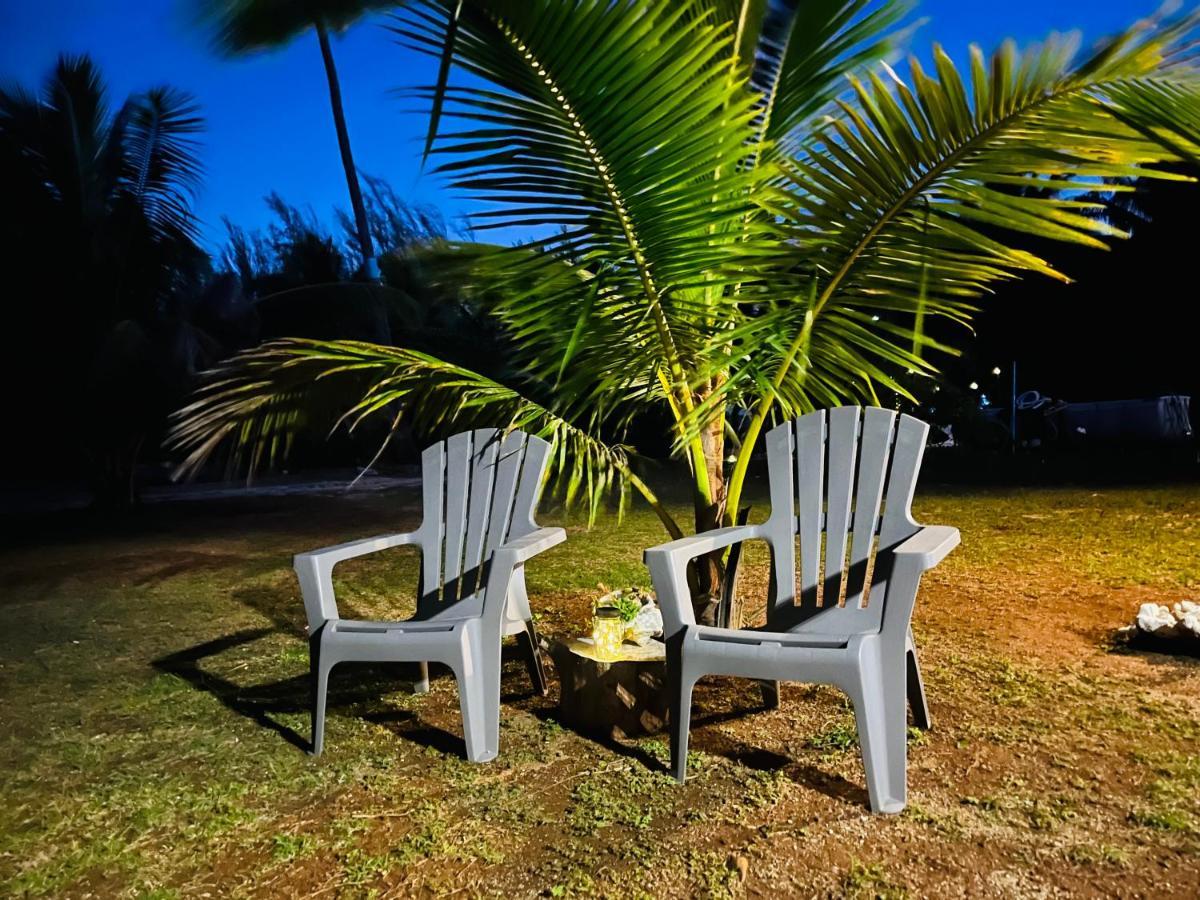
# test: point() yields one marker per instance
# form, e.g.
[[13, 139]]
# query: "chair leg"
[[421, 685], [479, 696], [319, 679], [770, 694], [679, 692], [879, 708], [916, 687], [527, 640]]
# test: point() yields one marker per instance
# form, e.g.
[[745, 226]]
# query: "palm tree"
[[247, 26], [99, 201], [91, 175], [732, 230], [99, 243]]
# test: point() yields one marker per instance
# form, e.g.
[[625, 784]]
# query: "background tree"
[[732, 234], [295, 272], [248, 26], [99, 244]]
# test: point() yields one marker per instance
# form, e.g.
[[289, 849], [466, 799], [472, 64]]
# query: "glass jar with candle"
[[608, 633]]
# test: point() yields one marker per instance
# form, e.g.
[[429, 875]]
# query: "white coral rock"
[[1185, 607], [1187, 614], [1154, 618], [1191, 622], [645, 625]]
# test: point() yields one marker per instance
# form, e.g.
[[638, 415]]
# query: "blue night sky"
[[269, 125]]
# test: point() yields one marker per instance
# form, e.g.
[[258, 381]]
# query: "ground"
[[153, 720]]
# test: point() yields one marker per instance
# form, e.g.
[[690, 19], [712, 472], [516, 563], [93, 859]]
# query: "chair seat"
[[355, 626], [515, 615], [754, 637], [467, 608]]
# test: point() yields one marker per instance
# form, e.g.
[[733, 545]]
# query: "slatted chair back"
[[842, 483], [480, 489]]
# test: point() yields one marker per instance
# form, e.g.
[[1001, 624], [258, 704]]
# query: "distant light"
[[973, 386], [936, 388], [996, 371], [874, 318], [984, 401]]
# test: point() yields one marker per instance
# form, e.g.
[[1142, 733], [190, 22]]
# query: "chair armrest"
[[916, 555], [668, 570], [688, 548], [929, 546], [527, 546], [350, 549], [314, 570], [506, 560]]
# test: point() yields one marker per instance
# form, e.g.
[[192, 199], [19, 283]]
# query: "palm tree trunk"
[[343, 136], [709, 571]]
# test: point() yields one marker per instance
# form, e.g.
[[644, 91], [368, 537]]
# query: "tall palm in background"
[[247, 26], [730, 229], [101, 185], [98, 243]]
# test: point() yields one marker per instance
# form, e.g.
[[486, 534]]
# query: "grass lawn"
[[153, 711]]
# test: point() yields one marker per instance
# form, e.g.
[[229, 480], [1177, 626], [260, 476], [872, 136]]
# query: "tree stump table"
[[618, 699]]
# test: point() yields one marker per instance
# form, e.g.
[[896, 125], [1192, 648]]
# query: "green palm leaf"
[[723, 218], [603, 124], [916, 197], [1167, 112], [930, 177], [805, 53], [257, 402], [620, 130]]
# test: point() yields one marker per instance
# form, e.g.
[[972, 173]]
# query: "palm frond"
[[603, 125], [1167, 112], [572, 334], [920, 191], [746, 18], [805, 53], [162, 163], [255, 404], [80, 147]]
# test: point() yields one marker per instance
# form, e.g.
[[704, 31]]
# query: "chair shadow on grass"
[[629, 747], [351, 685], [719, 742], [632, 747], [831, 784], [255, 702]]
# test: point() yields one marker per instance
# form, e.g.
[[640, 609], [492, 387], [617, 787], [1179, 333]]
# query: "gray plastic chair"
[[480, 491], [850, 626]]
